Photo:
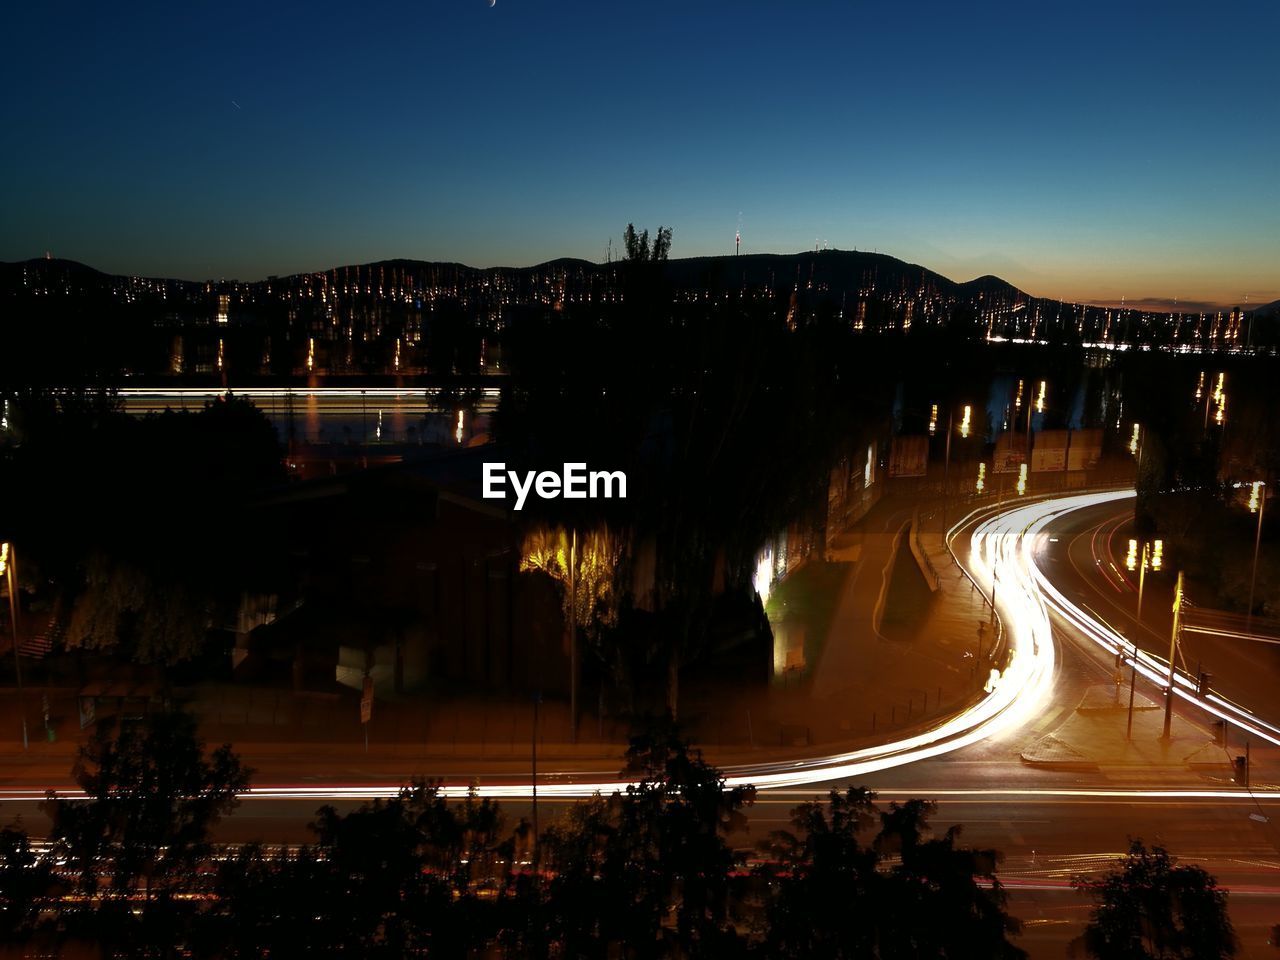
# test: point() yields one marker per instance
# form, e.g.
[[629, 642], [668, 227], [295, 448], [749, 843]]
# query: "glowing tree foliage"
[[584, 564]]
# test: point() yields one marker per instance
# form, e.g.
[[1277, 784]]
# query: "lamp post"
[[573, 636], [1133, 679], [8, 562], [946, 460], [946, 471], [995, 581], [1257, 504], [1173, 651], [537, 699], [1142, 580], [1030, 407], [1152, 557]]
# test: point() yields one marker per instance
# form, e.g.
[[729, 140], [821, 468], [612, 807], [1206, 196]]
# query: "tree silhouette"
[[24, 879], [637, 245], [1148, 908], [649, 869], [662, 243], [138, 842], [836, 888], [396, 877]]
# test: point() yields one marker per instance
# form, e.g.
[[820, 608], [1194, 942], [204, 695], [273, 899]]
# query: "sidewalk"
[[1095, 736]]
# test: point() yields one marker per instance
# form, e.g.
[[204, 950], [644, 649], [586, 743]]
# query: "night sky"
[[1078, 150]]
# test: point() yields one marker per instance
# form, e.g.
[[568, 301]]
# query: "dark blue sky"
[[1079, 150]]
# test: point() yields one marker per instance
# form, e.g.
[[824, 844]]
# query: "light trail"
[[1002, 560], [138, 400], [1153, 667], [1013, 696], [1249, 797]]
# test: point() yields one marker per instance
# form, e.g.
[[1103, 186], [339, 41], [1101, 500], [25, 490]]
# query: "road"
[[1085, 565], [1050, 823]]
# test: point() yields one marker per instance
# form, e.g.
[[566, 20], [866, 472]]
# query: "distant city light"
[[964, 422], [1022, 479], [1131, 560], [982, 478], [1254, 495], [933, 419], [1133, 440], [1040, 397]]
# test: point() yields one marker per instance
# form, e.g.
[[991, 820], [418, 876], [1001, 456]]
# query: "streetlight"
[[1258, 505], [8, 561], [1152, 557], [965, 427], [995, 582], [537, 699], [1038, 407], [1173, 651], [1133, 679]]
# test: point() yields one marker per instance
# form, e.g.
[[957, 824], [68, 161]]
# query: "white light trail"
[[1002, 551], [1014, 695], [1150, 666]]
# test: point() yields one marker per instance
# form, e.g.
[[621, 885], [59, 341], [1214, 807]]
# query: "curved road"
[[1046, 561]]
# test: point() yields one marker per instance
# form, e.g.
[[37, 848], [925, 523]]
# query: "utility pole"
[[995, 580], [1142, 579], [1257, 542], [537, 699], [946, 470], [1173, 652], [1133, 679], [8, 565], [573, 636], [1030, 406]]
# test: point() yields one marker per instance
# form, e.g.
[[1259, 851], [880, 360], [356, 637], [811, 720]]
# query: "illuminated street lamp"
[[1173, 652], [8, 560], [1038, 407], [965, 423], [982, 478], [1258, 505], [1152, 558]]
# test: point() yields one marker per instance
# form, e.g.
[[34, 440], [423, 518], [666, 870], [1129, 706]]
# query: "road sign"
[[366, 701]]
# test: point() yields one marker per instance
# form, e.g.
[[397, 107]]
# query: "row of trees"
[[646, 873], [136, 534]]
